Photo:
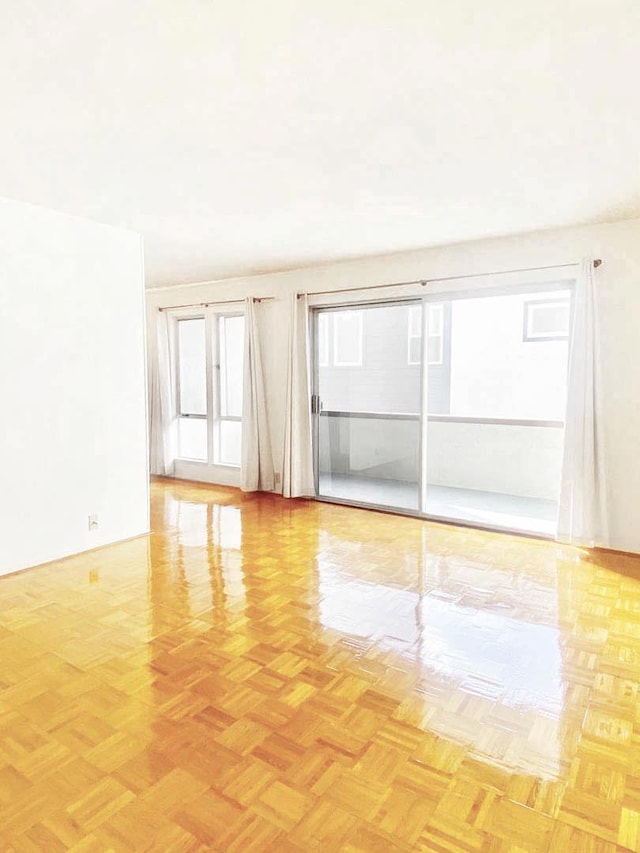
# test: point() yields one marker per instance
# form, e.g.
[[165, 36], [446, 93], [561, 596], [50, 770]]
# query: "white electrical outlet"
[[93, 522]]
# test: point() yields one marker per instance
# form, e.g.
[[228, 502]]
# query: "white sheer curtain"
[[162, 421], [256, 466], [297, 474], [582, 518]]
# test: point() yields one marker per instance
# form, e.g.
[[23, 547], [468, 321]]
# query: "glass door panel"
[[491, 368], [497, 370], [368, 386]]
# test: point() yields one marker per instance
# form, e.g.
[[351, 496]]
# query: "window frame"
[[213, 416], [179, 412], [219, 418], [530, 304]]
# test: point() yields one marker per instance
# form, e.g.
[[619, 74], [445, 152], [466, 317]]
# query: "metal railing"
[[463, 419]]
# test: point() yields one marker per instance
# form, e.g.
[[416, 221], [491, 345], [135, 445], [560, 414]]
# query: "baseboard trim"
[[14, 572]]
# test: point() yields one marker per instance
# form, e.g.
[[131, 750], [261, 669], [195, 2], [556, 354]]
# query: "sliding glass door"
[[495, 416], [450, 407], [367, 401]]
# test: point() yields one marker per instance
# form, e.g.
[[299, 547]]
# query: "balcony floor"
[[470, 506]]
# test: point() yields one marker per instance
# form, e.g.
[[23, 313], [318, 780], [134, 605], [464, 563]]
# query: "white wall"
[[503, 458], [72, 385], [618, 244]]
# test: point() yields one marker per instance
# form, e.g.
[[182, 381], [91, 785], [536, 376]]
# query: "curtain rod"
[[425, 281], [220, 302]]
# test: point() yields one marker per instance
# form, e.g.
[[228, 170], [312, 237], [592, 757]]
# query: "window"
[[347, 339], [546, 320], [228, 430], [192, 388], [435, 334], [210, 350]]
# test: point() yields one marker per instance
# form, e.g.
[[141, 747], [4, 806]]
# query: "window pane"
[[192, 438], [386, 379], [364, 455], [230, 437], [192, 367], [415, 321], [348, 338], [547, 319], [231, 365], [371, 460], [497, 460]]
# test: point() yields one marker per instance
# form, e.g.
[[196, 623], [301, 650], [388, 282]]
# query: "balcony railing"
[[466, 419], [515, 456]]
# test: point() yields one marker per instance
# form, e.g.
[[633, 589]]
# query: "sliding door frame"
[[423, 300], [316, 402]]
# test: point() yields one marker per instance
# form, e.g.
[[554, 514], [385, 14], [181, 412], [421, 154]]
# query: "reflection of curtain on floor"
[[297, 474], [162, 424], [582, 518], [256, 466]]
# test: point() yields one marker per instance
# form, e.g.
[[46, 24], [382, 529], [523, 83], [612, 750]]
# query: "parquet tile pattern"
[[262, 674]]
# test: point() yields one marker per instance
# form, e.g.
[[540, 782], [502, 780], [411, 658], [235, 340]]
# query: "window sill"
[[220, 475], [204, 464]]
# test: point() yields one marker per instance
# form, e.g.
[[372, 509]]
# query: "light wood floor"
[[262, 674]]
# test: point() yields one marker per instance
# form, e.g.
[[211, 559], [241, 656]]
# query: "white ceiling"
[[249, 136]]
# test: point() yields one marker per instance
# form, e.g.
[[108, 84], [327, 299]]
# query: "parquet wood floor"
[[261, 674]]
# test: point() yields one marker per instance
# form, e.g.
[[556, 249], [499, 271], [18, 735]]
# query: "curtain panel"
[[256, 466], [162, 421], [297, 469], [582, 518]]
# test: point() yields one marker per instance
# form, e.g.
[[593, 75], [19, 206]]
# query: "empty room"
[[320, 393]]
